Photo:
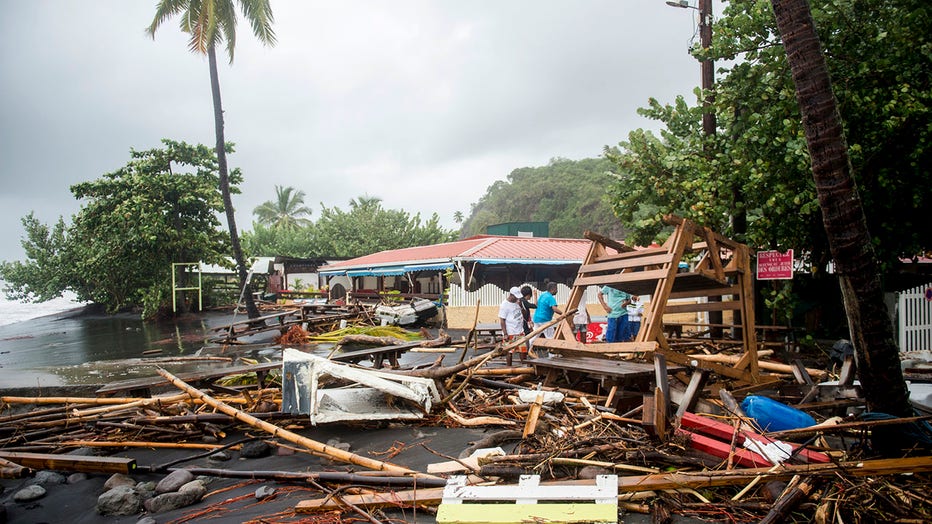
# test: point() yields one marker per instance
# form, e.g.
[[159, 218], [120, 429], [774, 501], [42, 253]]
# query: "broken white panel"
[[373, 395]]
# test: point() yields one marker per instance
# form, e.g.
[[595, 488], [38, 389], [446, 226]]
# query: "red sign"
[[774, 265]]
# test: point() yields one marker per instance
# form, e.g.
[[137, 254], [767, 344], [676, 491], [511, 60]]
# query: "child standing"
[[581, 323]]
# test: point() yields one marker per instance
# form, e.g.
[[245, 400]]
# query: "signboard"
[[774, 265]]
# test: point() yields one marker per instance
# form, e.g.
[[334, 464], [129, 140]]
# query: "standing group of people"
[[516, 317], [624, 315]]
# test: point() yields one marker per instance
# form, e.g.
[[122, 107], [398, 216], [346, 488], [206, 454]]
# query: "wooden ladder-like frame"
[[722, 269]]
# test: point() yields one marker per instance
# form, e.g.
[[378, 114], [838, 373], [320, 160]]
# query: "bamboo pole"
[[138, 444], [313, 445]]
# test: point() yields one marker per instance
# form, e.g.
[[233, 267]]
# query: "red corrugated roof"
[[482, 247]]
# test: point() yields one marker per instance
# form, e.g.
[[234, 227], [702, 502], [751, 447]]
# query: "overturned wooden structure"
[[719, 270]]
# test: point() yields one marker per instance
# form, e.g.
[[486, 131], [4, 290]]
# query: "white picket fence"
[[492, 295], [914, 310]]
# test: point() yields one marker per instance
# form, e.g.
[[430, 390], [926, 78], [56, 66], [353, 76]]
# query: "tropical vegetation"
[[287, 211], [569, 194], [879, 55], [118, 250], [366, 227], [209, 24]]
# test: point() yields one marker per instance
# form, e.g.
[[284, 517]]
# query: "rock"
[[166, 502], [147, 520], [209, 439], [188, 494], [282, 451], [146, 486], [29, 493], [338, 444], [255, 449], [265, 492], [74, 478], [174, 481], [196, 489], [119, 479], [590, 472], [121, 500], [48, 478], [220, 456]]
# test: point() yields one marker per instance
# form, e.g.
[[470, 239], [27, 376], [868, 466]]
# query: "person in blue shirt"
[[615, 302], [546, 307]]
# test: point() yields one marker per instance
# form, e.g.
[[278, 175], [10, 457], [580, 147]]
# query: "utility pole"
[[707, 67]]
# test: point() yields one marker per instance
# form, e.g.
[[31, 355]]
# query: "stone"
[[265, 492], [196, 489], [220, 456], [29, 493], [167, 502], [591, 472], [283, 451], [338, 444], [74, 478], [188, 494], [147, 520], [255, 449], [119, 479], [173, 481], [121, 500], [48, 478]]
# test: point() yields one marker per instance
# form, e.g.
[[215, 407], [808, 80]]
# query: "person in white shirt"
[[635, 312], [512, 321]]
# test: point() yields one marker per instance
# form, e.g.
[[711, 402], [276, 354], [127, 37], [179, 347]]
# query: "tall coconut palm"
[[211, 22], [287, 211], [842, 212]]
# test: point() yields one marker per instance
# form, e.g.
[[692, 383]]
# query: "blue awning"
[[428, 267]]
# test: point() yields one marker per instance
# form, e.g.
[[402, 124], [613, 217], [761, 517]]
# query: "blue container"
[[775, 416]]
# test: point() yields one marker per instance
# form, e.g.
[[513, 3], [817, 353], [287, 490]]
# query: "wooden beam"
[[730, 305], [606, 241], [696, 383], [620, 279], [626, 263], [74, 463]]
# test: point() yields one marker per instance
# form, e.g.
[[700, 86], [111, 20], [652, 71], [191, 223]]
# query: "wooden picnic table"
[[378, 355]]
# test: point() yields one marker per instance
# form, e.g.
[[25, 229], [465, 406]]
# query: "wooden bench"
[[561, 502], [378, 355]]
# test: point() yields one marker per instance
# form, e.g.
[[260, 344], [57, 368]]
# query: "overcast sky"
[[423, 103]]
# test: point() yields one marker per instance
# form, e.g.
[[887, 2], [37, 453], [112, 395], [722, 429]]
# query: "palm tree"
[[286, 211], [364, 202], [842, 213], [210, 23]]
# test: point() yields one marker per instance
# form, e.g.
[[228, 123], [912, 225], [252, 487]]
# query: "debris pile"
[[711, 462]]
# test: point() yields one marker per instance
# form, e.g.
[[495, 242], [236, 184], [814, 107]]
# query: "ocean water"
[[58, 343], [12, 311]]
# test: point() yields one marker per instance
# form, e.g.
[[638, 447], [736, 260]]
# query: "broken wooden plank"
[[74, 463]]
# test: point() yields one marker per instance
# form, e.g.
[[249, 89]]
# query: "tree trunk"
[[245, 288], [842, 213]]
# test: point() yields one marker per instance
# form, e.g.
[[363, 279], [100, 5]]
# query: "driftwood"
[[322, 476], [71, 462], [313, 445]]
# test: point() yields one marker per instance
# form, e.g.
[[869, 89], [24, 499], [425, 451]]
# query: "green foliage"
[[158, 209], [570, 194], [363, 229], [210, 23], [287, 211], [369, 228], [286, 242], [880, 58]]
